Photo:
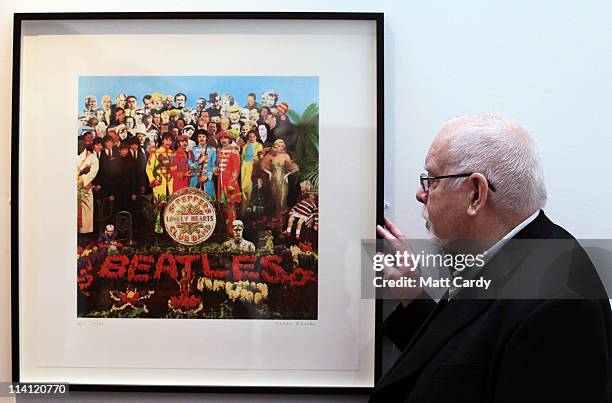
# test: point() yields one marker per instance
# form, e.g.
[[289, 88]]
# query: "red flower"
[[139, 268], [84, 282], [305, 247], [166, 263], [242, 262], [125, 298], [85, 278], [114, 267], [220, 274], [269, 264], [299, 277], [185, 302]]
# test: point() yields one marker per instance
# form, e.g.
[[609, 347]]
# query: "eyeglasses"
[[424, 179]]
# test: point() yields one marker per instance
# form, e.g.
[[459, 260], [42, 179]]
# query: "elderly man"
[[107, 108], [90, 106], [484, 183]]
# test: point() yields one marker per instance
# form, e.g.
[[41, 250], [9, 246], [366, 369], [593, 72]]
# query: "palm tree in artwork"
[[304, 141]]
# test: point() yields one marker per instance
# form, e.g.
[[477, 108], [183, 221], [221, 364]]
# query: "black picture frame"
[[21, 18]]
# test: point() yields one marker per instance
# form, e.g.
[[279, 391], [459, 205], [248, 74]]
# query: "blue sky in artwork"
[[297, 91]]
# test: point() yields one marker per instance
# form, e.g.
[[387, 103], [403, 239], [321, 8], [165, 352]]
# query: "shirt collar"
[[489, 253]]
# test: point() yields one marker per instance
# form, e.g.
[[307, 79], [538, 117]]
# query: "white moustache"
[[425, 217]]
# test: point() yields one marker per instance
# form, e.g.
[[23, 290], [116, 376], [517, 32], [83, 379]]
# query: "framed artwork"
[[215, 174]]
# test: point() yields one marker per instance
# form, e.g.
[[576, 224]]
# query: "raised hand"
[[396, 242]]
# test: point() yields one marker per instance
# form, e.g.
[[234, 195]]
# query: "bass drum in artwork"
[[190, 218]]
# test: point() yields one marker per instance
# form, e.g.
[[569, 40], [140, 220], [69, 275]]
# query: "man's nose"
[[421, 195]]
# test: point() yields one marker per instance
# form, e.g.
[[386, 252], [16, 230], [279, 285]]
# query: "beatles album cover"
[[198, 197]]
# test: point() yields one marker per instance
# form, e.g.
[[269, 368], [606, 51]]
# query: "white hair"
[[502, 151]]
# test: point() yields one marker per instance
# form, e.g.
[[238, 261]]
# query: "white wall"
[[545, 63]]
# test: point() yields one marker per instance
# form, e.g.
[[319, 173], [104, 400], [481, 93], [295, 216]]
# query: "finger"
[[394, 242], [394, 230], [391, 273], [384, 233], [391, 243]]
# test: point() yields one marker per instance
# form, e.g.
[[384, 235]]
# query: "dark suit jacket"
[[140, 167], [107, 171], [556, 349]]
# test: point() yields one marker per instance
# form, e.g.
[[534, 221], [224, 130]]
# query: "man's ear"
[[478, 193]]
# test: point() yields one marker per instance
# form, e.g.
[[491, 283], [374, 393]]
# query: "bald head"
[[485, 125], [502, 151], [483, 178]]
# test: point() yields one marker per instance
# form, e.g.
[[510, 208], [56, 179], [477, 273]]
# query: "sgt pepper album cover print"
[[197, 197]]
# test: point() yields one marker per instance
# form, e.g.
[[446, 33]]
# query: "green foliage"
[[264, 312], [178, 315], [132, 313], [147, 207], [128, 251], [305, 142], [156, 250], [310, 172], [226, 311], [99, 314], [113, 251], [128, 313], [152, 202]]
